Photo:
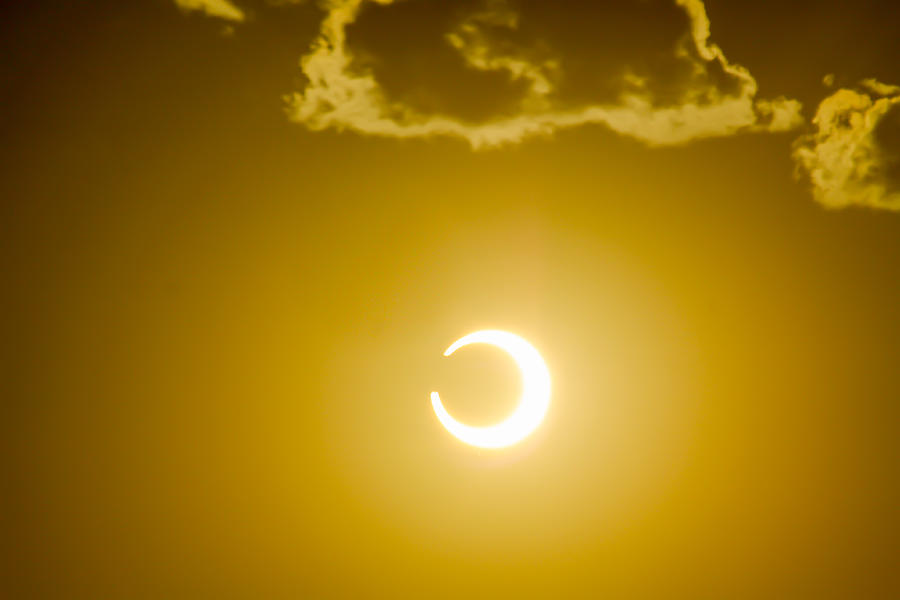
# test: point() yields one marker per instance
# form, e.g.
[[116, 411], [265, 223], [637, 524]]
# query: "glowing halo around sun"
[[532, 405]]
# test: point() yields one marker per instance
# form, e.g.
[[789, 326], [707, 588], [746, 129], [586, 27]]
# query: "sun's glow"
[[532, 405]]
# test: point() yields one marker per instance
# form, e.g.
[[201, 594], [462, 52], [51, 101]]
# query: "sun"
[[532, 405]]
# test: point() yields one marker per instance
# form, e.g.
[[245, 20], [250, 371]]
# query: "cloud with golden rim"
[[671, 86], [341, 94], [221, 9], [843, 158]]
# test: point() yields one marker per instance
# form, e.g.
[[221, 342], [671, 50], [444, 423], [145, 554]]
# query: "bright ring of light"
[[532, 405]]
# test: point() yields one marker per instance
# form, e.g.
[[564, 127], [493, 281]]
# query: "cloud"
[[497, 72], [222, 9], [714, 98], [845, 159]]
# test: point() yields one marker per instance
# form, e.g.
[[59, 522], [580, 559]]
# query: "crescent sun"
[[532, 405]]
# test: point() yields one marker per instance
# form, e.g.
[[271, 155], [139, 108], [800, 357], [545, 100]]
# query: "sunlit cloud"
[[843, 158], [343, 95], [682, 87], [222, 9]]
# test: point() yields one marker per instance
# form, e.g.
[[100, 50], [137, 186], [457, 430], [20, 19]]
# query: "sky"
[[239, 235]]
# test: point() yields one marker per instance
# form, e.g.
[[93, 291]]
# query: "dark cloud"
[[396, 69], [494, 72], [852, 156]]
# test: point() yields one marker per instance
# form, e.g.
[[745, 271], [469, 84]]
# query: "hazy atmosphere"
[[238, 237]]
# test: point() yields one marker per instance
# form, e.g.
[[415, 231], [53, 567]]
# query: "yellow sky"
[[239, 235]]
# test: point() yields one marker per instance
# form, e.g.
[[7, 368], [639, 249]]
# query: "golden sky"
[[239, 235]]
